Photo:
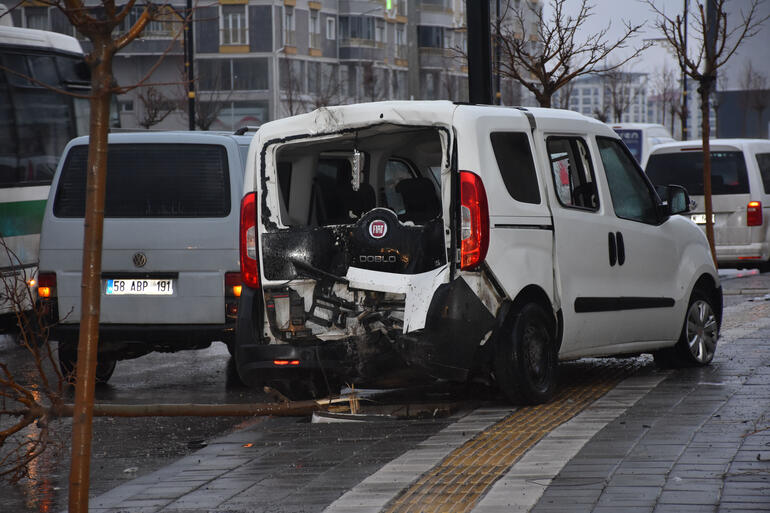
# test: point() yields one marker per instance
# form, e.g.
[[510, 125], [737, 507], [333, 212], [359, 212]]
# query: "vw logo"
[[139, 259], [377, 229]]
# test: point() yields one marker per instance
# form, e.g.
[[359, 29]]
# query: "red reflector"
[[285, 362], [749, 258], [248, 241], [474, 221], [754, 213]]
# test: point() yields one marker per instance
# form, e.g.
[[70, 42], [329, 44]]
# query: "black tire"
[[526, 359], [68, 357], [698, 339]]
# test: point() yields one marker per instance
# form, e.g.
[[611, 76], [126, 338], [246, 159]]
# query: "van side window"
[[517, 167], [763, 161], [572, 173], [632, 195]]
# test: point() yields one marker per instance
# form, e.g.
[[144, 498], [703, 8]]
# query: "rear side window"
[[763, 161], [514, 159], [151, 180], [572, 173], [728, 171]]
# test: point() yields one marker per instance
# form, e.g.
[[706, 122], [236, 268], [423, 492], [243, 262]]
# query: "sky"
[[613, 12]]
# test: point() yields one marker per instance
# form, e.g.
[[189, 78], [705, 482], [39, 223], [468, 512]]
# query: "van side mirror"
[[678, 199], [675, 200]]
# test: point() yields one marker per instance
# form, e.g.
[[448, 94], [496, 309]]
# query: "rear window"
[[151, 180], [728, 171], [763, 161], [514, 158]]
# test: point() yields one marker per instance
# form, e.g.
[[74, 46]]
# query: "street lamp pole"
[[685, 113]]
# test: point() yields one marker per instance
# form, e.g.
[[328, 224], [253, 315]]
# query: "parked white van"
[[416, 239], [740, 187], [170, 272], [642, 137]]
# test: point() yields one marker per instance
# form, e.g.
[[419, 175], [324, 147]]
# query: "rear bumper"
[[124, 341], [743, 255]]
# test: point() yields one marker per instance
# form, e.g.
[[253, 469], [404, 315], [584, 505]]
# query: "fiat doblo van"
[[386, 241]]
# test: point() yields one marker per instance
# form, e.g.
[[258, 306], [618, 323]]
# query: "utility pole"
[[189, 56], [479, 52], [685, 112]]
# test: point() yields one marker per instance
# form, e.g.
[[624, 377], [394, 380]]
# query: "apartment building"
[[256, 60]]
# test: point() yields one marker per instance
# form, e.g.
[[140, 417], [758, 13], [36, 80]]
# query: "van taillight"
[[248, 238], [754, 213], [46, 285], [474, 221]]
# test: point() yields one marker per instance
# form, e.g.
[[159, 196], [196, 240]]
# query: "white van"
[[642, 137], [392, 241], [170, 272], [740, 187]]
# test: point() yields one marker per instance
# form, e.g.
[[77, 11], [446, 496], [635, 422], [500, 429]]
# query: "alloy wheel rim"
[[701, 331]]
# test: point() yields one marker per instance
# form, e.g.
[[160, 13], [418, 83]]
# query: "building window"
[[357, 27], [331, 29], [430, 36], [314, 27], [232, 25], [288, 26], [400, 42], [37, 18], [232, 74], [380, 35], [127, 106]]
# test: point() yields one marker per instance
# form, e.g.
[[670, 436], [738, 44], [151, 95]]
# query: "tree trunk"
[[101, 78], [705, 91]]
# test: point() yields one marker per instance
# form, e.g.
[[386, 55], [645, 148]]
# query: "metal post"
[[685, 111], [189, 64], [479, 58]]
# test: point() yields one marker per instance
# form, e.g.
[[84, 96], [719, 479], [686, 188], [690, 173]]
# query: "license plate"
[[140, 287], [701, 218]]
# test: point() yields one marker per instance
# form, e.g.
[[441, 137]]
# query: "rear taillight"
[[754, 213], [474, 221], [248, 236], [46, 285]]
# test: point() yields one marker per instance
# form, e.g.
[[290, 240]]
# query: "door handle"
[[621, 248], [613, 248]]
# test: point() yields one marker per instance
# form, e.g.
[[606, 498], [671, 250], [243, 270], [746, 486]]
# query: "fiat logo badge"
[[140, 259], [378, 228]]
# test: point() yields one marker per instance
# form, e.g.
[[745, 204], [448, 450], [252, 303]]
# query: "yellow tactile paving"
[[457, 483]]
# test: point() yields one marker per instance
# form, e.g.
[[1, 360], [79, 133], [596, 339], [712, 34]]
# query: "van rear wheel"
[[68, 358], [526, 360]]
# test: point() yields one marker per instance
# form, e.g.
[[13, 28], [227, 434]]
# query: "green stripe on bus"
[[21, 217]]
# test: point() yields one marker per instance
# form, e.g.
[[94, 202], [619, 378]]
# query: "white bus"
[[35, 124]]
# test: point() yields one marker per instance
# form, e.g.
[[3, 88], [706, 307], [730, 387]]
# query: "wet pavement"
[[658, 441]]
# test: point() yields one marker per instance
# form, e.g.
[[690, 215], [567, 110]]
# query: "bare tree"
[[327, 89], [156, 106], [547, 57], [668, 94], [619, 90], [755, 95], [292, 87], [565, 95], [371, 81], [717, 42]]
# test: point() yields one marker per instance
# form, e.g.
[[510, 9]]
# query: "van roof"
[[327, 120], [714, 144], [175, 136]]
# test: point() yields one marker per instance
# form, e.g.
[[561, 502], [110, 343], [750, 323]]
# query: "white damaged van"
[[386, 242]]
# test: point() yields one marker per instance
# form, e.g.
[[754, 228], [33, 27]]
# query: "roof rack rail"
[[244, 129]]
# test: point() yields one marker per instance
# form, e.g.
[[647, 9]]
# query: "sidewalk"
[[676, 441]]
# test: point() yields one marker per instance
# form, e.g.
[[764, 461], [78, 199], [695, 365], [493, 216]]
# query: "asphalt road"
[[126, 448]]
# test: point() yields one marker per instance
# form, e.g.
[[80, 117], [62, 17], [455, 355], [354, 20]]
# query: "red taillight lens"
[[474, 220], [248, 236], [754, 213], [46, 285]]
